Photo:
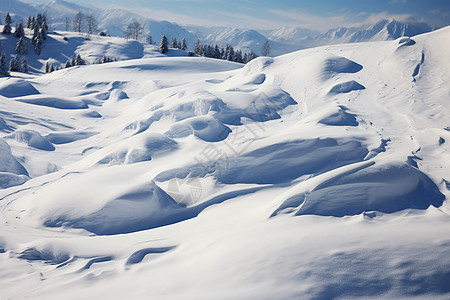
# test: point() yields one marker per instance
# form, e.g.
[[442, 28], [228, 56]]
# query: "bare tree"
[[129, 31], [78, 21], [92, 24], [266, 49], [67, 23], [137, 30]]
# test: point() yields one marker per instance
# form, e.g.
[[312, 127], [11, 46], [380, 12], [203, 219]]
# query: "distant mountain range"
[[283, 40]]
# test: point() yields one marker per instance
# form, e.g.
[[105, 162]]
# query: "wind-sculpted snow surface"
[[319, 174]]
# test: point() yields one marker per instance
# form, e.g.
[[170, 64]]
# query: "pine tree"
[[183, 44], [44, 23], [24, 65], [47, 67], [37, 43], [14, 64], [43, 33], [164, 45], [3, 68], [29, 23], [68, 63], [22, 47], [79, 61], [230, 53], [7, 27], [174, 43], [52, 68], [238, 57], [217, 52], [19, 31], [197, 48]]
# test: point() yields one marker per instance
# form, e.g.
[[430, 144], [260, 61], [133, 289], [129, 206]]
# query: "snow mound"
[[144, 208], [136, 149], [8, 163], [341, 118], [33, 139], [117, 95], [206, 128], [14, 87], [346, 87], [278, 163], [47, 255], [12, 173], [54, 102], [384, 188], [341, 65], [67, 137]]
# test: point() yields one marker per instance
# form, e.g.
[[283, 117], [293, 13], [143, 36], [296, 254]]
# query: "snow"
[[318, 174]]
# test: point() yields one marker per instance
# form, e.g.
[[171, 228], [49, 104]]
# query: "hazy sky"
[[266, 14]]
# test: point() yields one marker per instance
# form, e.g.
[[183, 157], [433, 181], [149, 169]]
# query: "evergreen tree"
[[164, 45], [230, 53], [14, 64], [29, 23], [3, 68], [250, 56], [38, 45], [43, 33], [183, 44], [44, 23], [24, 65], [7, 27], [19, 31], [174, 43], [22, 47], [238, 57], [217, 53], [197, 48], [47, 67], [68, 63], [79, 61], [52, 68]]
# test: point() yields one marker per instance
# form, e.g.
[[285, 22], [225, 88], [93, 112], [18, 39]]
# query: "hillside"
[[61, 46], [168, 176]]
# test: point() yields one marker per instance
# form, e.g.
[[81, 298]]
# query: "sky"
[[270, 14]]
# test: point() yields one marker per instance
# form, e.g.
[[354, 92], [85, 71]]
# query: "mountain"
[[294, 38], [17, 9], [319, 174]]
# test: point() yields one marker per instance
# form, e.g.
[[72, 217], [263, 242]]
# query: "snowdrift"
[[221, 179]]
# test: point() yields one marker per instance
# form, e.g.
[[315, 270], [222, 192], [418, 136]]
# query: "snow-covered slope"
[[61, 46], [318, 174]]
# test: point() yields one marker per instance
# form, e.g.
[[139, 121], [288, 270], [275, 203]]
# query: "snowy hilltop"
[[319, 174]]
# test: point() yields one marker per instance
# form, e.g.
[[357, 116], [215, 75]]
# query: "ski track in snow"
[[317, 174]]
